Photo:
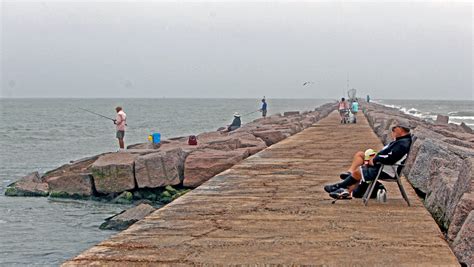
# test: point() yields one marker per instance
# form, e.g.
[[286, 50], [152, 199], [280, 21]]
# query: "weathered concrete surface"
[[271, 209]]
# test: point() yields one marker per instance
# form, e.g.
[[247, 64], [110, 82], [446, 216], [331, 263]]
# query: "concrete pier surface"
[[271, 209]]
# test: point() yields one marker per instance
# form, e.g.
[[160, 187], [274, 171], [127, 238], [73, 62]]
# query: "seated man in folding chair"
[[394, 153]]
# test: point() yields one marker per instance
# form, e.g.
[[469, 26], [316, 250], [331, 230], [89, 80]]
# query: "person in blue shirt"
[[355, 107], [264, 108]]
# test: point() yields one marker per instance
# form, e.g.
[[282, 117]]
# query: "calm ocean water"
[[42, 134]]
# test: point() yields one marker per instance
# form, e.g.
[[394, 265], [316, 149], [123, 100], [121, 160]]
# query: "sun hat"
[[368, 153], [236, 114]]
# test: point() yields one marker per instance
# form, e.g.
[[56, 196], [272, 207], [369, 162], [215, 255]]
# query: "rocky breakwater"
[[441, 168], [164, 172]]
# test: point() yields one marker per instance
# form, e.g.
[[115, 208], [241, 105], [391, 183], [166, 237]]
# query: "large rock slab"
[[463, 208], [218, 141], [307, 122], [201, 165], [160, 169], [207, 137], [442, 119], [181, 143], [448, 180], [291, 113], [420, 173], [249, 141], [289, 128], [466, 128], [463, 245], [71, 185], [114, 173], [271, 136], [123, 220], [240, 138], [29, 186], [74, 167]]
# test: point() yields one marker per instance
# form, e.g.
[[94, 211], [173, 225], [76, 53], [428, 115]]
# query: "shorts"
[[343, 112], [120, 134], [370, 172], [264, 113]]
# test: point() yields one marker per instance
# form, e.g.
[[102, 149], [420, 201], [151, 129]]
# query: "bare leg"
[[121, 143], [357, 161]]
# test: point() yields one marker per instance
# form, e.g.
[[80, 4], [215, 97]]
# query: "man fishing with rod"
[[120, 121]]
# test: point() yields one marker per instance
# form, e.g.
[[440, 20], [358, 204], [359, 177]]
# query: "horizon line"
[[174, 97]]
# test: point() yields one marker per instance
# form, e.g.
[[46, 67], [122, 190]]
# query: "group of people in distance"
[[120, 122], [364, 167], [344, 107]]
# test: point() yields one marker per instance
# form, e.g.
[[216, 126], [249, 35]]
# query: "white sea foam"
[[413, 112], [393, 106], [462, 117], [461, 113], [432, 116]]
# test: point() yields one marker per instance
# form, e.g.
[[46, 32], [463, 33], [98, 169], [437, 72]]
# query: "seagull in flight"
[[307, 83]]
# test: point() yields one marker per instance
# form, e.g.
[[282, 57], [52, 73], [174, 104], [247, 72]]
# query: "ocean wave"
[[461, 113], [456, 117], [462, 117], [393, 106], [414, 112]]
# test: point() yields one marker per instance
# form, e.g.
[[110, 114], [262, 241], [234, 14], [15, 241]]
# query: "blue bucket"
[[156, 138]]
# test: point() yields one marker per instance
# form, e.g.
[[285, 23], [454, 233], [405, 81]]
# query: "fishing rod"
[[96, 114], [244, 114], [250, 113]]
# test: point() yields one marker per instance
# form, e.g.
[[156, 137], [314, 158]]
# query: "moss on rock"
[[15, 192], [61, 194], [124, 198], [170, 189]]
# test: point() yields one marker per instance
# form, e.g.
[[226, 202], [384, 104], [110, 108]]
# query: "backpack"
[[363, 186], [192, 140]]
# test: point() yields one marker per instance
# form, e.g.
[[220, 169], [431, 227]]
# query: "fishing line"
[[99, 115]]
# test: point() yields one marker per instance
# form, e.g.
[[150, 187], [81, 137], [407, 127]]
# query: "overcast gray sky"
[[222, 49]]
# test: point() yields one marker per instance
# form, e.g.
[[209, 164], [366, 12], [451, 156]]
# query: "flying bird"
[[307, 83]]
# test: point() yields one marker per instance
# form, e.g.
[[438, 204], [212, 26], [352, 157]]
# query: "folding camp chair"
[[397, 169]]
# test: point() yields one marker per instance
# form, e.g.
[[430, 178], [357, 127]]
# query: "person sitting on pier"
[[235, 123], [395, 152]]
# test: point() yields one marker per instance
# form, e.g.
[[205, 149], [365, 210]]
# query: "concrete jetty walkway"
[[271, 209]]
